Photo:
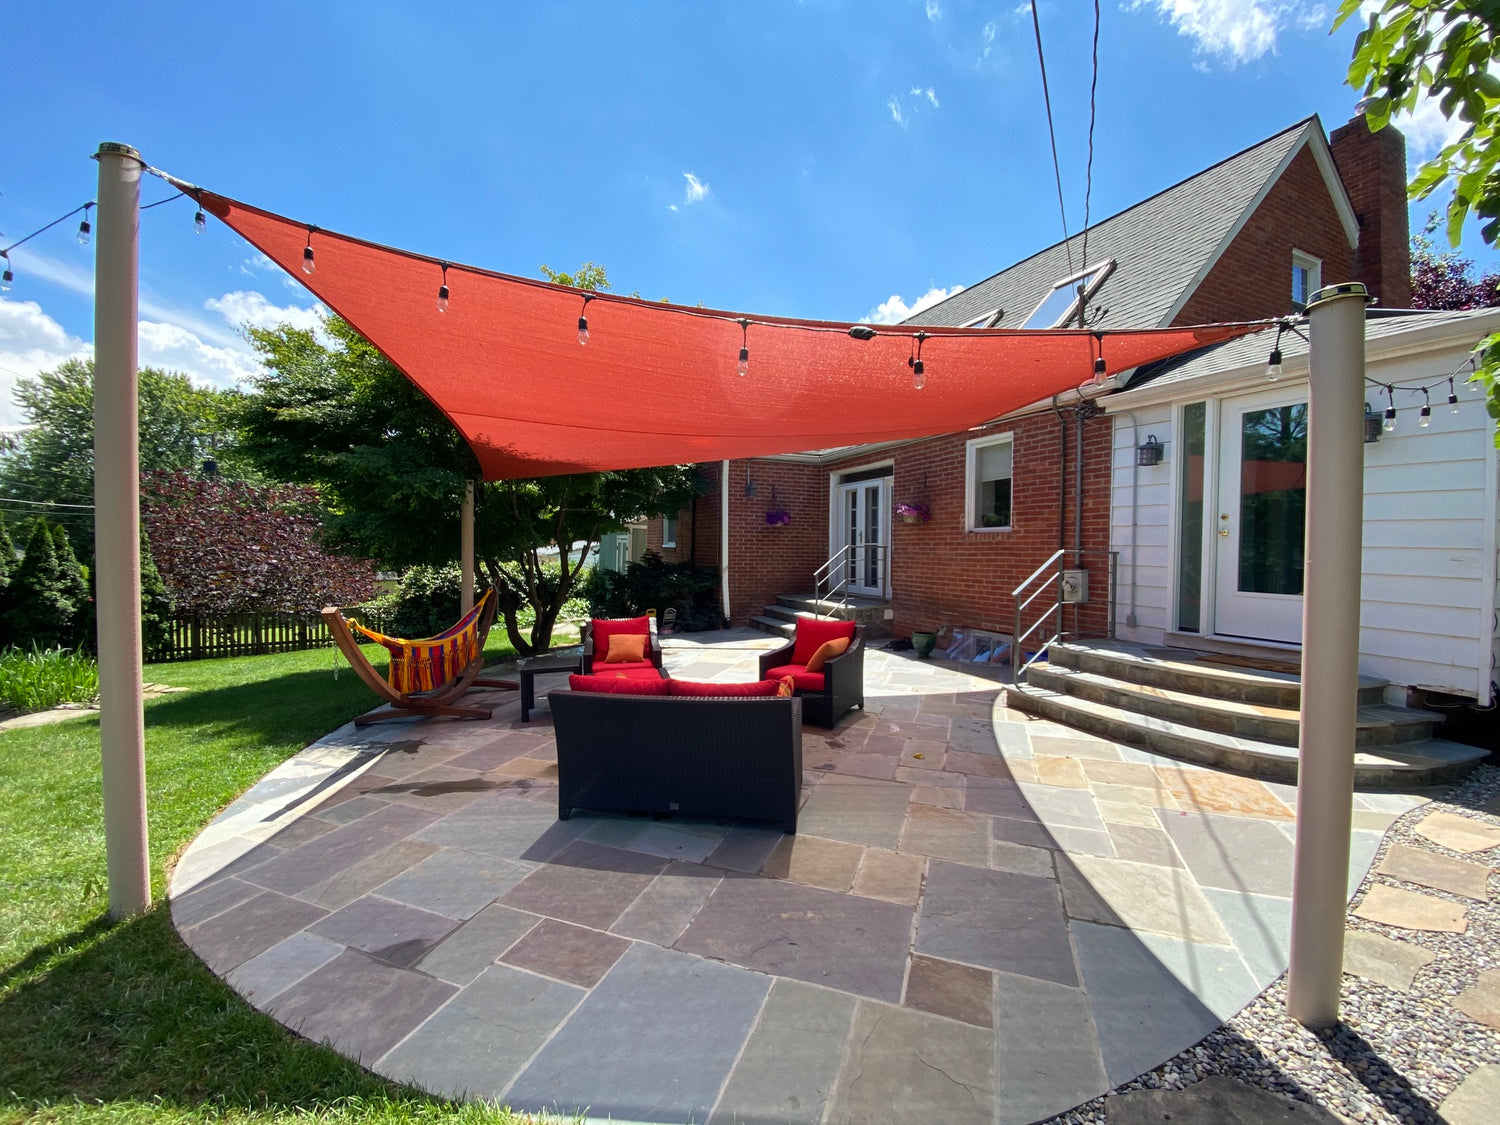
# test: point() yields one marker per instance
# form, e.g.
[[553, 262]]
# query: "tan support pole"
[[724, 536], [117, 529], [1330, 650], [466, 549]]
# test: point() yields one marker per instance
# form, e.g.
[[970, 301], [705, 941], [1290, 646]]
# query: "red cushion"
[[606, 627], [620, 685], [801, 677], [812, 632], [630, 668], [692, 687]]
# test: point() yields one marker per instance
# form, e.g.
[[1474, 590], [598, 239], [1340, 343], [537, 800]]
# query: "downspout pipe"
[[1132, 617], [724, 537]]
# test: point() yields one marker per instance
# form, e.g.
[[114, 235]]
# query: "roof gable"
[[1163, 246]]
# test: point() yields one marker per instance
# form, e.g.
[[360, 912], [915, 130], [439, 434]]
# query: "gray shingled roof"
[[1159, 246], [1256, 347]]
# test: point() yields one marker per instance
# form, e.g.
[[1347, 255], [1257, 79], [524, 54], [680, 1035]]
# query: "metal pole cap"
[[114, 148], [1344, 289]]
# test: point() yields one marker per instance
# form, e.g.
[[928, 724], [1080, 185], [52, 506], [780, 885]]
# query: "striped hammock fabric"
[[430, 662]]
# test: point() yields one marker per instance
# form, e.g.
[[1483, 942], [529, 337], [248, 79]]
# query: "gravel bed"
[[1396, 1055]]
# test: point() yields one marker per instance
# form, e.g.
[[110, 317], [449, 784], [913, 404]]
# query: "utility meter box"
[[1075, 587]]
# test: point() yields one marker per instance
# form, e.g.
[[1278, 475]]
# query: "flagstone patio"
[[981, 918]]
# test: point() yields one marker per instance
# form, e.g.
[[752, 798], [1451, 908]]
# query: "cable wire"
[[1036, 24], [1088, 182], [49, 226]]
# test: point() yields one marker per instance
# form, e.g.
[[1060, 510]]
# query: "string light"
[[583, 320], [914, 361], [1424, 416], [8, 276], [442, 301], [1273, 365], [309, 267], [1099, 365], [200, 221], [84, 230], [743, 367], [1390, 411], [1452, 397]]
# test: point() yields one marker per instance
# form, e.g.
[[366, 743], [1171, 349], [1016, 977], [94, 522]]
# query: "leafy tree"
[[75, 589], [226, 546], [156, 603], [1445, 280], [180, 426], [41, 611], [392, 468], [1441, 49]]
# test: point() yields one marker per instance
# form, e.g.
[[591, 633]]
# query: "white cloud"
[[991, 29], [174, 348], [1236, 31], [249, 307], [894, 105], [904, 106], [30, 342], [934, 10], [696, 189], [894, 309]]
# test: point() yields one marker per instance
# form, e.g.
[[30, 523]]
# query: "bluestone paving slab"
[[680, 839], [1046, 1050], [208, 899], [232, 937], [479, 1041], [360, 1006], [1394, 964], [575, 954], [746, 848], [1431, 869], [654, 1041], [1068, 744], [482, 759], [301, 867], [440, 789], [997, 919], [350, 807], [787, 1070], [1142, 1014], [1391, 906], [1459, 833], [841, 941], [1071, 808], [998, 799], [585, 883], [903, 1065], [1474, 1101], [1065, 773], [947, 834], [301, 830], [1481, 1000], [814, 862], [946, 988], [456, 883], [1218, 1100], [869, 813], [1232, 852], [389, 931], [504, 826], [284, 964], [468, 950], [1028, 832], [1123, 812], [890, 876], [663, 910], [1162, 900], [1080, 899], [1083, 841], [343, 887], [1260, 927], [1144, 845], [1005, 856], [1215, 974]]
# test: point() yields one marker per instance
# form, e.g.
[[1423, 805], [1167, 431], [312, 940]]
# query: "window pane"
[[1190, 535], [994, 503], [1299, 284], [1273, 499], [1054, 308], [993, 461]]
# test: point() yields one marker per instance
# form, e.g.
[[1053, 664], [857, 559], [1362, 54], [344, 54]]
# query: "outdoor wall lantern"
[[1151, 453], [1373, 422]]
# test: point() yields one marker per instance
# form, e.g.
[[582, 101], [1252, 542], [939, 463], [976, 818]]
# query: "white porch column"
[[1330, 650], [117, 530], [466, 550], [724, 536]]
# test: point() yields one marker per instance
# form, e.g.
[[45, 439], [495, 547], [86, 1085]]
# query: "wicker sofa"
[[709, 757], [826, 696]]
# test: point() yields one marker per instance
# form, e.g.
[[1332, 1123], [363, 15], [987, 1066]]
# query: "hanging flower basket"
[[913, 513], [778, 517]]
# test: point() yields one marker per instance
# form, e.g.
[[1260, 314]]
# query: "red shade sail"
[[657, 384]]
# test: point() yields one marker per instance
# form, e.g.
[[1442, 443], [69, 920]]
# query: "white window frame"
[[669, 531], [971, 484], [988, 320], [1314, 268], [1102, 269]]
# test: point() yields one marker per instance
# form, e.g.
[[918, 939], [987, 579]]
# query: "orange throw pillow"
[[626, 648], [786, 688], [826, 651]]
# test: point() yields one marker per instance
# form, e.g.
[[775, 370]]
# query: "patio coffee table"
[[537, 665]]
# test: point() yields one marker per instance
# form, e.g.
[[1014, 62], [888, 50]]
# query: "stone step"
[[869, 612], [776, 626], [1377, 724], [1406, 764], [786, 613], [1197, 673]]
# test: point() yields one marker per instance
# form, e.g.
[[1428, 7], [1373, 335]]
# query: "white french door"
[[1258, 522], [864, 528]]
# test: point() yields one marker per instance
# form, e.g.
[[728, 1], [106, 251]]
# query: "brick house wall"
[[1253, 277], [767, 561], [1373, 168]]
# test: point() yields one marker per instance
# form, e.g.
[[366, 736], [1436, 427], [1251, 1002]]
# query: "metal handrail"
[[837, 564], [1051, 572]]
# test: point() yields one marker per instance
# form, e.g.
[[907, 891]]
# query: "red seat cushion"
[[620, 685], [812, 632], [604, 628], [801, 677], [631, 668], [693, 687]]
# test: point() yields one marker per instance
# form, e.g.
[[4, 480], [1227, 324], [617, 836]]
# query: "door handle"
[[1223, 533]]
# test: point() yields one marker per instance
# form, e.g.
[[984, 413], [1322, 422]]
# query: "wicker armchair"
[[596, 636], [826, 696]]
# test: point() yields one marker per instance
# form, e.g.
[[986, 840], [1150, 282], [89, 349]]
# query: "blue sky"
[[829, 159]]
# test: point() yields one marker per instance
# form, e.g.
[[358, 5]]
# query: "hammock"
[[429, 662]]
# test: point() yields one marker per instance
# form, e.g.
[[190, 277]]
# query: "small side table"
[[540, 665]]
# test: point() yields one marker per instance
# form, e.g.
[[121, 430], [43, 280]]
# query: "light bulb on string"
[[1100, 368], [84, 230], [1390, 412], [914, 361], [309, 266], [1424, 416], [1452, 397], [442, 301], [582, 321], [742, 368], [200, 221], [7, 276]]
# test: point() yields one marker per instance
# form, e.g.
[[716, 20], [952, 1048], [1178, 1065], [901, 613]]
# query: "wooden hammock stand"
[[438, 701]]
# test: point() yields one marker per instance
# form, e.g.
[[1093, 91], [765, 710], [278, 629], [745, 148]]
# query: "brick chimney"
[[1373, 168]]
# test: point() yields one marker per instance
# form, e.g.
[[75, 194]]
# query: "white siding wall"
[[1429, 578]]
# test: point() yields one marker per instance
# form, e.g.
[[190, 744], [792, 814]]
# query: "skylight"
[[1061, 305]]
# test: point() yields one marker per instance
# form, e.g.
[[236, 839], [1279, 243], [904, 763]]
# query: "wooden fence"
[[245, 634]]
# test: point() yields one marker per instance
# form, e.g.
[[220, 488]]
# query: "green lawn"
[[109, 1022]]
